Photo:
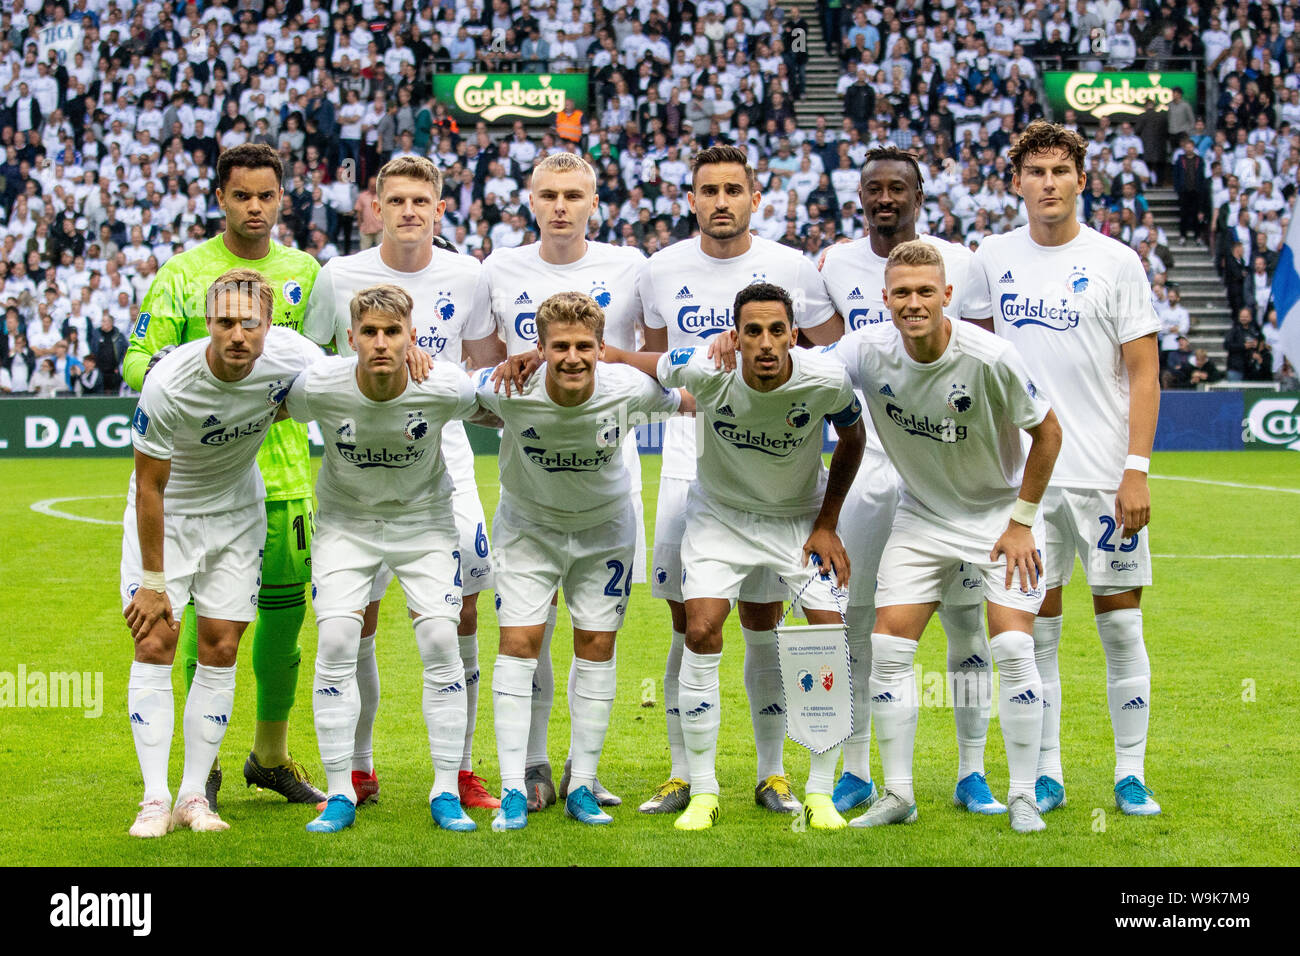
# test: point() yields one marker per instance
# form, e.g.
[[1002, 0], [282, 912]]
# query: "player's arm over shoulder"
[[688, 367]]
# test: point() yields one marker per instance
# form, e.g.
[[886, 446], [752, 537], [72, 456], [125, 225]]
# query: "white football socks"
[[701, 707], [821, 772], [590, 705], [543, 696], [336, 698], [857, 749], [676, 746], [151, 707], [766, 712], [970, 676], [1020, 708], [444, 698], [363, 756], [894, 708], [469, 660], [1047, 640], [207, 715], [1128, 688], [512, 693]]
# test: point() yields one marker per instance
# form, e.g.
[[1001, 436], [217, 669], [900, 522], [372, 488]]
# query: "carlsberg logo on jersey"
[[526, 326], [1020, 310], [570, 460], [704, 324], [223, 436], [431, 342], [859, 318], [946, 430], [779, 447], [379, 457]]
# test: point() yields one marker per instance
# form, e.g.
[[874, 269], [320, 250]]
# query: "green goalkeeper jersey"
[[173, 313]]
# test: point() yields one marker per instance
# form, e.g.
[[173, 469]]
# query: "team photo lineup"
[[992, 413]]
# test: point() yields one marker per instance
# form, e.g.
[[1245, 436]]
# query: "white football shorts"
[[348, 553], [670, 527], [216, 558], [1082, 521], [725, 552], [475, 551], [593, 566], [924, 562]]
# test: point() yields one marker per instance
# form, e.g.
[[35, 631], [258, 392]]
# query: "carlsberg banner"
[[1120, 96], [1272, 421], [506, 97]]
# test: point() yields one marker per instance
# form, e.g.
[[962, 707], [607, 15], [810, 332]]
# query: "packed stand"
[[108, 165]]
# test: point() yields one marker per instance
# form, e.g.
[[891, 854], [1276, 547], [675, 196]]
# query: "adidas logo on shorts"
[[1006, 278], [1137, 703], [685, 293]]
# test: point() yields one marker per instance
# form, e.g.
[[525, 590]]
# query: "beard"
[[722, 232]]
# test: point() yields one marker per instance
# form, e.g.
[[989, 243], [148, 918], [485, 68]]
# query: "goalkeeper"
[[249, 193]]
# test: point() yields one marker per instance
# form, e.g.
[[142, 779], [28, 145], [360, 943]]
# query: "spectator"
[[1243, 344], [45, 383], [90, 381], [1189, 185], [108, 345]]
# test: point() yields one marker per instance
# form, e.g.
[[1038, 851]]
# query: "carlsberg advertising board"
[[1272, 421], [1120, 96], [506, 97]]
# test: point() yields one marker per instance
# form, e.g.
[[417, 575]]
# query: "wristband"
[[1024, 512], [154, 581], [1137, 463]]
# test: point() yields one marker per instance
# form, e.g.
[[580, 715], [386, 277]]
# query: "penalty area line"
[[46, 507], [1230, 557]]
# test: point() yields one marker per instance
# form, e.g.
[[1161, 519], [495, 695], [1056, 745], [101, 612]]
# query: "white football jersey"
[[383, 460], [855, 275], [762, 451], [691, 294], [211, 430], [1068, 309], [562, 466], [451, 305], [951, 427], [519, 280]]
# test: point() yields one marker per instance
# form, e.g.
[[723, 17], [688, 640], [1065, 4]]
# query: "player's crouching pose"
[[194, 526], [948, 401], [565, 520], [762, 500], [385, 500]]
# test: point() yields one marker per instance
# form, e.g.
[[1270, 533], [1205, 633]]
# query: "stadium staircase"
[[823, 72], [1199, 284]]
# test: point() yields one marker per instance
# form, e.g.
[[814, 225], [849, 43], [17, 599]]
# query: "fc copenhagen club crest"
[[416, 426]]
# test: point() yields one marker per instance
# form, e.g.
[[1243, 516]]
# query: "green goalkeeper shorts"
[[287, 556]]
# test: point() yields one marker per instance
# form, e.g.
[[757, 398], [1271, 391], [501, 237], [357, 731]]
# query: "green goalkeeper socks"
[[276, 654], [189, 644]]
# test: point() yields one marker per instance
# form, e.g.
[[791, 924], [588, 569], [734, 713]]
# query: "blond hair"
[[411, 167], [245, 282], [916, 252], [570, 308], [565, 163], [384, 299]]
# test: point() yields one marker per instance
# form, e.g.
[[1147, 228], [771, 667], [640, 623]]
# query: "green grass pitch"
[[1221, 632]]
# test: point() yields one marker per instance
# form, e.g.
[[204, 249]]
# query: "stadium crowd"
[[108, 155]]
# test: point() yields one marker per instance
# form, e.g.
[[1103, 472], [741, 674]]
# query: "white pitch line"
[[1227, 557], [1228, 484], [46, 507]]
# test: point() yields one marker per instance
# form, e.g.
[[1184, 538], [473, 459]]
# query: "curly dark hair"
[[1041, 136]]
